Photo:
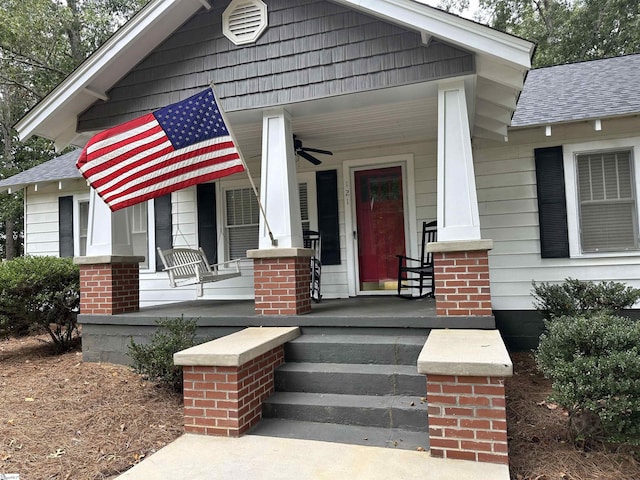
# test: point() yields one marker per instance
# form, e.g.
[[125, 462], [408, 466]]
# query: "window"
[[243, 218], [606, 200], [139, 232], [601, 197], [83, 212]]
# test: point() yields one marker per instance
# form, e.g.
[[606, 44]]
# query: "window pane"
[[607, 205], [608, 227], [242, 221], [242, 239], [83, 211], [139, 237], [304, 204]]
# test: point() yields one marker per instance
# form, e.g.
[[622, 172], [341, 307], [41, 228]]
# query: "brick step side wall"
[[227, 401], [467, 418]]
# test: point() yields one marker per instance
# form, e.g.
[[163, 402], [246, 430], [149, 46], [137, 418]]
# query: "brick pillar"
[[466, 371], [109, 285], [227, 401], [467, 418], [461, 270], [281, 278]]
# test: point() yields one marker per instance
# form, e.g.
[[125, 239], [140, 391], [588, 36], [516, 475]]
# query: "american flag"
[[177, 146]]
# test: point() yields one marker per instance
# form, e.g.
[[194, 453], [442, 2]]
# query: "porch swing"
[[190, 266]]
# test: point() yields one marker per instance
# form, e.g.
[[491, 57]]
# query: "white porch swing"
[[190, 266]]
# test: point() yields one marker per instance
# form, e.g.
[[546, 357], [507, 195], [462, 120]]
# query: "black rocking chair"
[[313, 240], [416, 273]]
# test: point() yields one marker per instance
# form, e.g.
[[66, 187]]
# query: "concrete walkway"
[[198, 457]]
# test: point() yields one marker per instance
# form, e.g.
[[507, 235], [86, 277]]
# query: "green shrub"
[[594, 364], [155, 359], [40, 293], [576, 297]]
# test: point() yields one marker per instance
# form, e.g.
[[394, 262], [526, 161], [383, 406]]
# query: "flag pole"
[[274, 242]]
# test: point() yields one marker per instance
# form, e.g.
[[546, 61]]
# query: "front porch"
[[105, 337]]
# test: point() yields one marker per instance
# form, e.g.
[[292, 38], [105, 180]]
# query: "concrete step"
[[391, 411], [348, 434], [351, 379], [376, 349]]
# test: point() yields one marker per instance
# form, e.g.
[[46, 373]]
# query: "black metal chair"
[[313, 240], [416, 273]]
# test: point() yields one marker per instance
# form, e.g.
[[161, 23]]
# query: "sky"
[[473, 6]]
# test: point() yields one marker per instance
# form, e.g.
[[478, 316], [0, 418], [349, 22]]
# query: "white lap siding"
[[506, 181]]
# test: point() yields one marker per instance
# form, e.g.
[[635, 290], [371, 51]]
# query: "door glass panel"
[[380, 223]]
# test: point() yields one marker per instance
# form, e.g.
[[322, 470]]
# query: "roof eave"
[[146, 30], [451, 28]]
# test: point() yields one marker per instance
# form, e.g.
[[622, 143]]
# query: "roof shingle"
[[60, 168], [580, 91]]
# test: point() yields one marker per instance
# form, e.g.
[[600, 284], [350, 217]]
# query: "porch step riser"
[[347, 349], [330, 409], [349, 383], [354, 435]]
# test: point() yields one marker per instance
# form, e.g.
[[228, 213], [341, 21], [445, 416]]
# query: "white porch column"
[[109, 233], [458, 217], [279, 184]]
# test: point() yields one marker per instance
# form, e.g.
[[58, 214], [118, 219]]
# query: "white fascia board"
[[450, 28], [128, 39]]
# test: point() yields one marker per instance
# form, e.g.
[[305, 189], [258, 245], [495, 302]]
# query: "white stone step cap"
[[465, 352], [236, 349]]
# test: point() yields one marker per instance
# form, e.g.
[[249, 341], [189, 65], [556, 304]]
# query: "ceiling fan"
[[303, 151]]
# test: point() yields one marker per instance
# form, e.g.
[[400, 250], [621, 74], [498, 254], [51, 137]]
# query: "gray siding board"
[[312, 49]]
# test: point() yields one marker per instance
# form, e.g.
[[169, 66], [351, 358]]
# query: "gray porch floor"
[[374, 311], [254, 457]]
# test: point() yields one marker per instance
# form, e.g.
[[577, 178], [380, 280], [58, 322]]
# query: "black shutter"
[[164, 225], [207, 229], [327, 200], [552, 207], [65, 226]]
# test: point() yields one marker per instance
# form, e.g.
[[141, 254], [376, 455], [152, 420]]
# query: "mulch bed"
[[63, 419], [539, 445]]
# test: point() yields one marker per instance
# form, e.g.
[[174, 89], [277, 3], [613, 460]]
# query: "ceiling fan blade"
[[316, 150], [309, 157]]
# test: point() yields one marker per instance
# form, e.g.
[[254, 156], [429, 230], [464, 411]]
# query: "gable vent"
[[243, 21]]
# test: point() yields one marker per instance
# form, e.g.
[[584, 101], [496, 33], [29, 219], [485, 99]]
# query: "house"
[[417, 107]]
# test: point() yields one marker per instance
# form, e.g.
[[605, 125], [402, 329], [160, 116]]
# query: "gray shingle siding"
[[311, 49], [580, 91]]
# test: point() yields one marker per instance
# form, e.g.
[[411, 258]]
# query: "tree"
[[565, 31], [41, 42]]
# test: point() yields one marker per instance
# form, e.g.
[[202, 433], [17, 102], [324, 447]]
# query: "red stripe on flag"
[[112, 132], [158, 179], [177, 186], [194, 154], [127, 153]]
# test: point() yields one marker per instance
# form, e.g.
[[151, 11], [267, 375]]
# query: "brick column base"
[[461, 270], [467, 418], [227, 401], [281, 279], [109, 285]]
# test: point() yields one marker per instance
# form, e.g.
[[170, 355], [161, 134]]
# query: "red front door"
[[380, 222]]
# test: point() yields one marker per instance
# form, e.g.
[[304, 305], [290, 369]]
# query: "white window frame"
[[570, 163], [221, 201], [77, 200]]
